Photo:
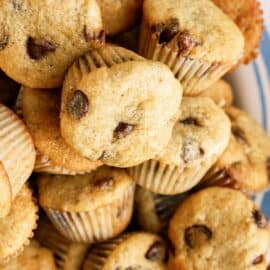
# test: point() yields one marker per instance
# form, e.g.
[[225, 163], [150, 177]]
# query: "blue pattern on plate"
[[265, 52]]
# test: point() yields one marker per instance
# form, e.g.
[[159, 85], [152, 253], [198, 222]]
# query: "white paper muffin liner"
[[165, 179], [195, 75], [98, 224]]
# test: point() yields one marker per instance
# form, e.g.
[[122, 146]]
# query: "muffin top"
[[221, 92], [83, 192], [40, 39], [119, 16], [129, 251], [218, 228], [201, 134], [33, 257], [247, 15], [246, 160], [41, 109], [196, 28], [110, 114], [18, 225]]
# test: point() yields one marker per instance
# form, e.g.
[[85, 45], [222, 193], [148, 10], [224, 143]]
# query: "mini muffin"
[[39, 40], [17, 157], [110, 102], [193, 37], [33, 257], [17, 227], [119, 16], [129, 251], [68, 255], [221, 92], [200, 136], [247, 14], [245, 165], [8, 90], [88, 208], [41, 110], [218, 228], [153, 211]]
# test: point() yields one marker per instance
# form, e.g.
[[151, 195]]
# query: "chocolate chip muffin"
[[41, 110], [110, 102], [68, 255], [88, 208], [119, 16], [218, 228], [221, 92], [199, 137], [246, 161], [129, 251], [153, 211], [39, 40], [193, 37], [33, 257], [247, 14], [17, 227], [17, 157]]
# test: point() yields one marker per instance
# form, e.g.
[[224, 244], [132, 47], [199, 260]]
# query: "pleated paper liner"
[[220, 177], [17, 149], [44, 165], [100, 253], [158, 209], [18, 104], [23, 195], [195, 75], [165, 179], [67, 255], [104, 57], [96, 225]]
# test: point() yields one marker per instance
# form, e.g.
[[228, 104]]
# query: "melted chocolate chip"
[[104, 183], [156, 252], [258, 260], [38, 49], [259, 219], [239, 135], [122, 130], [95, 40], [77, 105], [166, 32], [190, 121], [4, 42], [197, 235], [185, 42]]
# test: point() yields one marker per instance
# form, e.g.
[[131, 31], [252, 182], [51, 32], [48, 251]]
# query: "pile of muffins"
[[120, 145]]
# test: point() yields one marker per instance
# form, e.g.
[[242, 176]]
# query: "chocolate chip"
[[95, 40], [202, 152], [259, 219], [258, 260], [122, 130], [185, 42], [156, 252], [104, 183], [197, 235], [191, 121], [38, 49], [190, 150], [78, 104], [4, 42], [165, 32], [239, 135]]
